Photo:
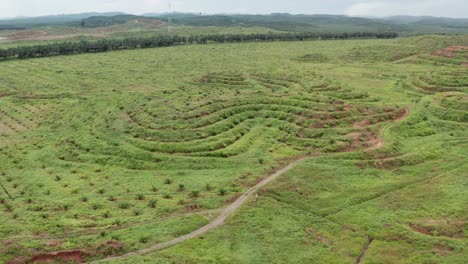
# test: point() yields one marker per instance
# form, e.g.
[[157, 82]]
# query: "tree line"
[[103, 45]]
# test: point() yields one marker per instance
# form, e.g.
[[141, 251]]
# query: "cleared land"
[[105, 154]]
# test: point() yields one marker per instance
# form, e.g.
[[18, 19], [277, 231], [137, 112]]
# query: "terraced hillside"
[[107, 154]]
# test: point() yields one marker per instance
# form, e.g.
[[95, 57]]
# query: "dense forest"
[[67, 48]]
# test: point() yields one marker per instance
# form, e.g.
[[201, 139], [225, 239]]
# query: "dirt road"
[[228, 211]]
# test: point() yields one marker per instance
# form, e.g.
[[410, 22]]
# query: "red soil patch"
[[192, 207], [420, 230], [443, 250], [74, 256], [374, 142], [371, 141], [361, 124], [465, 64], [388, 163], [450, 51], [6, 245], [317, 125], [23, 35], [106, 248], [110, 247], [328, 117], [365, 139], [153, 22], [347, 108], [319, 237], [18, 260], [401, 114], [361, 165], [105, 30], [52, 243]]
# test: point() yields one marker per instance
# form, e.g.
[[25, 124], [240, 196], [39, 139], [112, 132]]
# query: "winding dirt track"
[[228, 211], [219, 221]]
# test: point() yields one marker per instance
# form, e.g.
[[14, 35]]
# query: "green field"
[[105, 154]]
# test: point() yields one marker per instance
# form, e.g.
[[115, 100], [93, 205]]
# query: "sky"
[[442, 8]]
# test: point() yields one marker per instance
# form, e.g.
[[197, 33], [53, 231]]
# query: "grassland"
[[104, 154]]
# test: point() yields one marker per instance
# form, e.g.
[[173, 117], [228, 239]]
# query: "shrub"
[[144, 239], [8, 208], [181, 187], [222, 191], [124, 205], [152, 203], [195, 193], [168, 181]]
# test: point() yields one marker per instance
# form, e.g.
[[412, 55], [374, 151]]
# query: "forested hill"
[[287, 22], [404, 25], [325, 23], [298, 23]]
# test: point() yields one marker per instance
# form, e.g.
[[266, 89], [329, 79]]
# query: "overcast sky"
[[446, 8]]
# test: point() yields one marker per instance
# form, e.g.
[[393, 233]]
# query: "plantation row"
[[229, 126], [450, 107], [14, 119], [227, 119], [68, 48], [434, 82], [455, 101]]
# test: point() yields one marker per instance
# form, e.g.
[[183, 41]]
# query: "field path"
[[229, 210], [219, 221]]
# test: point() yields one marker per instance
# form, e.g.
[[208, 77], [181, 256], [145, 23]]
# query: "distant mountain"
[[429, 21], [405, 25], [288, 22], [52, 20], [172, 13], [327, 23]]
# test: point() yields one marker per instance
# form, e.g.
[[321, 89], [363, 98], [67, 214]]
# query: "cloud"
[[450, 8]]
